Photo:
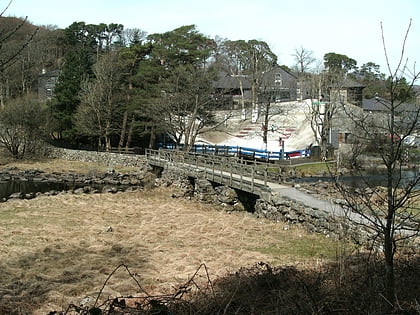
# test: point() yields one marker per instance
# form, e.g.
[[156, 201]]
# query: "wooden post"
[[265, 176], [231, 172], [252, 179]]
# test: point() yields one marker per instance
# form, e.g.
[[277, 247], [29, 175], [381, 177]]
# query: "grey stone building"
[[46, 84]]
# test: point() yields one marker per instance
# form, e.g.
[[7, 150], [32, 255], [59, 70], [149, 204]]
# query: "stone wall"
[[110, 180], [281, 209], [105, 158]]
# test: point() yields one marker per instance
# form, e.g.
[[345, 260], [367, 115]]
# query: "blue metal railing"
[[242, 151]]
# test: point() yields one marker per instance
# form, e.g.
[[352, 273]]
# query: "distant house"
[[377, 110], [349, 91], [46, 84], [405, 113], [350, 95], [281, 83], [233, 89]]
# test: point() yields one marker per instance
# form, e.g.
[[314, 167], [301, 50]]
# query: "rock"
[[226, 195], [78, 191], [17, 195], [110, 171], [87, 189], [30, 195], [238, 207], [133, 188], [109, 189], [85, 301], [51, 193], [134, 182]]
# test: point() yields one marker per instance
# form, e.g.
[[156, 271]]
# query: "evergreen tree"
[[84, 45], [77, 66]]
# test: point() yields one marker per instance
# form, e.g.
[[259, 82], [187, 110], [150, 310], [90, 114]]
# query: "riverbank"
[[63, 249]]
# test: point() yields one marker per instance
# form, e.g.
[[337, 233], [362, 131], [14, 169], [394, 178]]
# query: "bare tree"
[[100, 110], [187, 105], [234, 63], [304, 59], [9, 54], [260, 59], [325, 102], [268, 93], [391, 213], [22, 133]]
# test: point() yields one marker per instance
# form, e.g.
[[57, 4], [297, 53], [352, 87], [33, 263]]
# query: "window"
[[278, 80]]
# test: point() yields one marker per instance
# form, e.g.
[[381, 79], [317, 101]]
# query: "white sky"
[[349, 27]]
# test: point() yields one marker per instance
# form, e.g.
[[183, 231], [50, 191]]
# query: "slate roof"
[[380, 104], [374, 104], [229, 83]]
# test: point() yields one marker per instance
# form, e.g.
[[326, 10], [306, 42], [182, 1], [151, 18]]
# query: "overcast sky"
[[349, 27]]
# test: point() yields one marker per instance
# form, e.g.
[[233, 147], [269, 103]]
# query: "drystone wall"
[[282, 209], [105, 158], [49, 184]]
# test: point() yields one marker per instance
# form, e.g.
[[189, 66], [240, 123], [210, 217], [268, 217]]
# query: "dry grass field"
[[60, 249]]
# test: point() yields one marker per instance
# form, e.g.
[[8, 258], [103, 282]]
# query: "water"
[[28, 187], [371, 179]]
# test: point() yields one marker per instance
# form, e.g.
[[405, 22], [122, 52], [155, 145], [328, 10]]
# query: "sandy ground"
[[61, 249]]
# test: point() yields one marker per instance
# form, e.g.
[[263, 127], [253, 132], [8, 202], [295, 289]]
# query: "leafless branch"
[[394, 73], [6, 8]]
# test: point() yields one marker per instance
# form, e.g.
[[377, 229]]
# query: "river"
[[372, 179]]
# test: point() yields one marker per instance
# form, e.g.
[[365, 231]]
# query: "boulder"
[[226, 195]]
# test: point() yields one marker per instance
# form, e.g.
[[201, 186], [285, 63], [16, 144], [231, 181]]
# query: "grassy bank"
[[58, 250]]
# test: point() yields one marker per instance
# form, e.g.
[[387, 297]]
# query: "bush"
[[22, 123]]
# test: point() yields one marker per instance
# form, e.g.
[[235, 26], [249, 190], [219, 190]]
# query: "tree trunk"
[[254, 95], [389, 237], [324, 144], [99, 143], [125, 119], [107, 137], [130, 132], [190, 129], [389, 264], [152, 141], [107, 143], [265, 126], [243, 114], [123, 130], [389, 247]]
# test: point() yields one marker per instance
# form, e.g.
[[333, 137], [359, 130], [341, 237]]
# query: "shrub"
[[22, 123]]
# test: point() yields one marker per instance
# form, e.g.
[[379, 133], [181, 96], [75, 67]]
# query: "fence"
[[243, 152], [225, 170]]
